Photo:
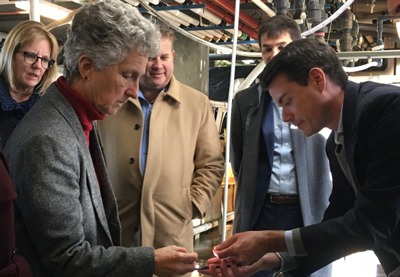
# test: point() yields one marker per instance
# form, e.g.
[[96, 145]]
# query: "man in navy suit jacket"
[[283, 178], [307, 80]]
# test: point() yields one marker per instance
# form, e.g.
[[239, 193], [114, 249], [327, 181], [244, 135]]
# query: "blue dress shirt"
[[283, 178], [146, 108]]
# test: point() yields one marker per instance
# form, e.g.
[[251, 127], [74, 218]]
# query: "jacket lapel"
[[268, 126], [349, 132], [63, 106], [300, 155]]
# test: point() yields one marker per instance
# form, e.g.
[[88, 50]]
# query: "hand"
[[173, 261], [248, 247], [224, 271], [268, 261]]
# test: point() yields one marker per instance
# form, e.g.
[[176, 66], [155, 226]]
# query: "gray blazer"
[[312, 167], [65, 225]]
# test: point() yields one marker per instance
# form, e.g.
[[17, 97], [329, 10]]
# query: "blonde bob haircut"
[[26, 32]]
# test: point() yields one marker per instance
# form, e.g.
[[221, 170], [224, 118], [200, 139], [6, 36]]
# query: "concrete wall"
[[191, 63]]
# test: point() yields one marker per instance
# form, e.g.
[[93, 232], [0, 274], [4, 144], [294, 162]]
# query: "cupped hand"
[[173, 261]]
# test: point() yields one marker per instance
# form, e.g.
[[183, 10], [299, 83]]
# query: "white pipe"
[[174, 18], [197, 34], [231, 32], [360, 68], [180, 1], [228, 117], [193, 37], [328, 20], [34, 13], [264, 7], [184, 17], [207, 15], [252, 76]]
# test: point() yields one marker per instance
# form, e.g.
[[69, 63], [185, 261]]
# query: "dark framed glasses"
[[31, 58]]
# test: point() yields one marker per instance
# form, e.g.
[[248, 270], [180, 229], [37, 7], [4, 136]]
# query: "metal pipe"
[[228, 118], [329, 20], [385, 54], [380, 21]]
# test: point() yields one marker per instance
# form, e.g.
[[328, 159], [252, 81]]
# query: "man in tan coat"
[[163, 155]]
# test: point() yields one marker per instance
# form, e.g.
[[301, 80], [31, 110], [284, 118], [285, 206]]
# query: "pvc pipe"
[[252, 76], [184, 17], [34, 13], [264, 7], [231, 31], [174, 18], [360, 68], [193, 37], [208, 15]]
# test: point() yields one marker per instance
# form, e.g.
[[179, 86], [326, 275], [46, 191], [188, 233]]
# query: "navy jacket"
[[370, 220]]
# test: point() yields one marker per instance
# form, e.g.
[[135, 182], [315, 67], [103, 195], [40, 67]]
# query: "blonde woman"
[[27, 68]]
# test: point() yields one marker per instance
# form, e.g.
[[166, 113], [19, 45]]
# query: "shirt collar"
[[141, 96]]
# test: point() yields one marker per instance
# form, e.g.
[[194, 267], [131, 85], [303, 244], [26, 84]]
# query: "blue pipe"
[[170, 8]]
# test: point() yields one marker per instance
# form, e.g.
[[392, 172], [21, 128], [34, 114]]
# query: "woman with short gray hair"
[[66, 214]]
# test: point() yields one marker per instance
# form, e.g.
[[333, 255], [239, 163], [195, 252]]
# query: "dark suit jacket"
[[10, 263], [371, 132], [65, 225], [312, 168]]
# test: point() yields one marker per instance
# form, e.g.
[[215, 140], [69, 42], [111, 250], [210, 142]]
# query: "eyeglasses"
[[31, 58]]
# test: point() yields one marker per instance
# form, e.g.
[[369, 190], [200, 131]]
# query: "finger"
[[226, 253], [224, 269], [189, 258], [226, 243], [180, 249], [236, 271], [213, 271], [214, 261]]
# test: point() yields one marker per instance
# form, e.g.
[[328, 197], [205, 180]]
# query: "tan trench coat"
[[184, 166]]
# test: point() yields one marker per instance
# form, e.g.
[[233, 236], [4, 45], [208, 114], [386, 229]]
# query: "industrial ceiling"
[[355, 30]]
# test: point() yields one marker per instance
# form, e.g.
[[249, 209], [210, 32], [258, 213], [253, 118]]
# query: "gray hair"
[[107, 32]]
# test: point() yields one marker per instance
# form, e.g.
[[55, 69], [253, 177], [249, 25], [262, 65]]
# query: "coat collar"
[[174, 91]]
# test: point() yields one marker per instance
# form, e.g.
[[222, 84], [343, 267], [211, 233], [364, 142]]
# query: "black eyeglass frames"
[[31, 58]]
